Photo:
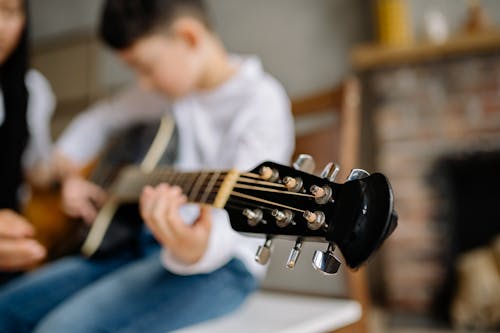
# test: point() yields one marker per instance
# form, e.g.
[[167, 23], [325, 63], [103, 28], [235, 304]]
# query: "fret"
[[174, 179], [169, 177], [190, 182], [201, 187], [156, 177], [187, 183], [197, 185], [179, 180], [210, 186]]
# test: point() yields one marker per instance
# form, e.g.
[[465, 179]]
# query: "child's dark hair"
[[123, 22]]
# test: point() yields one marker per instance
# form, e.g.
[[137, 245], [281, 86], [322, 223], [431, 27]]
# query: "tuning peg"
[[314, 220], [330, 171], [321, 194], [293, 184], [294, 253], [304, 163], [253, 216], [358, 174], [283, 218], [269, 174], [326, 262], [264, 251]]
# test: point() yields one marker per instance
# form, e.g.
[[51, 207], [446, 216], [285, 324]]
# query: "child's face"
[[166, 63], [12, 21]]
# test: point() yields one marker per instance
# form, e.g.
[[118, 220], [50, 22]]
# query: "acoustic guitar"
[[271, 200], [281, 201]]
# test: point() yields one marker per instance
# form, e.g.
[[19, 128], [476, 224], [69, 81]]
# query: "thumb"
[[205, 218]]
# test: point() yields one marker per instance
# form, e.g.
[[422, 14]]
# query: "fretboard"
[[200, 187]]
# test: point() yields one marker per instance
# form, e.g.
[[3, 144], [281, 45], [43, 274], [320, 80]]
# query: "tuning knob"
[[358, 174], [304, 163], [330, 171], [283, 218], [269, 174], [253, 216], [293, 184], [294, 254], [321, 194], [314, 220], [326, 262], [264, 251]]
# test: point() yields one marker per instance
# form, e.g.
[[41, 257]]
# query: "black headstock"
[[281, 201]]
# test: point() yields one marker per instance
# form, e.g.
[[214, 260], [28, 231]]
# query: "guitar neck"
[[211, 187]]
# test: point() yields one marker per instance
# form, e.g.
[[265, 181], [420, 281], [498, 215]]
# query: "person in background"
[[26, 106], [191, 266]]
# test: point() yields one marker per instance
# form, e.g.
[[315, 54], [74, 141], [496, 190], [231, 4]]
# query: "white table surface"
[[280, 312]]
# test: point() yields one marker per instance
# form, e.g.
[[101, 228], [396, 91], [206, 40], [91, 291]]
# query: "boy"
[[229, 113]]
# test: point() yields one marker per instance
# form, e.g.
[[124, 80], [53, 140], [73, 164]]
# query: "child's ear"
[[189, 30]]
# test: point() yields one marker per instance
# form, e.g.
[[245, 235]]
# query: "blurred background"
[[429, 75]]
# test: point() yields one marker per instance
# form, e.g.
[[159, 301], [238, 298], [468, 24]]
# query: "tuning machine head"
[[322, 195], [264, 251], [269, 174], [283, 218], [305, 163], [293, 184], [330, 171], [254, 216], [358, 174], [326, 262], [294, 254], [314, 220]]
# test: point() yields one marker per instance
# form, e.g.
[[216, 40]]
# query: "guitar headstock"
[[281, 201]]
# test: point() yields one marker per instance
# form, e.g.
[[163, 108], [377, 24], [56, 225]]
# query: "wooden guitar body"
[[62, 235]]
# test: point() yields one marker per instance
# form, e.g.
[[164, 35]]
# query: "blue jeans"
[[127, 293]]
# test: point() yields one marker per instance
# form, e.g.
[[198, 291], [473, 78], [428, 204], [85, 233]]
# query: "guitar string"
[[252, 181], [250, 197], [263, 189], [251, 175], [216, 187], [246, 204]]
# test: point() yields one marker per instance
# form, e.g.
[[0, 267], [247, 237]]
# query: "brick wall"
[[420, 113]]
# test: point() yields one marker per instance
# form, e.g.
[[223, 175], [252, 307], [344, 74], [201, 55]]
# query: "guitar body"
[[52, 226], [61, 234], [129, 148], [55, 230]]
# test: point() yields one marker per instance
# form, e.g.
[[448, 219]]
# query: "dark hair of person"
[[14, 130], [123, 22], [13, 72]]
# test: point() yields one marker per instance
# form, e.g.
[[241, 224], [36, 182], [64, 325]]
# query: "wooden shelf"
[[371, 56]]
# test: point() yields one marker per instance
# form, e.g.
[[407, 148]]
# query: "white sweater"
[[239, 124]]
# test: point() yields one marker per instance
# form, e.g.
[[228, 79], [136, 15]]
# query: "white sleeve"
[[268, 134], [271, 138], [88, 133], [41, 105]]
